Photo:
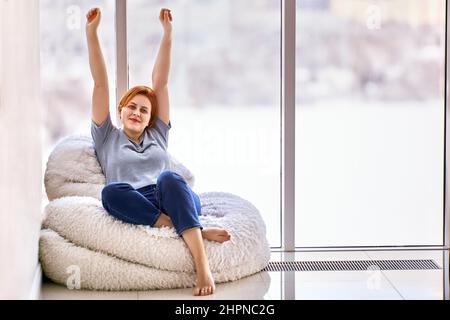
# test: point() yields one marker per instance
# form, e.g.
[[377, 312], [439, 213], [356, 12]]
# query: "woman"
[[134, 159]]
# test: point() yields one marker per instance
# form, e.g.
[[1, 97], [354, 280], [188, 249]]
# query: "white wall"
[[20, 147]]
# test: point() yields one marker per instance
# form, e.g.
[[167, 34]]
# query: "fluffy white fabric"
[[80, 268], [113, 255], [85, 223], [63, 260]]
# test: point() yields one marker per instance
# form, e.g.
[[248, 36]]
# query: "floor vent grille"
[[358, 265]]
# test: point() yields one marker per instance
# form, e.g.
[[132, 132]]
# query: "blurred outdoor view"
[[370, 122], [370, 108]]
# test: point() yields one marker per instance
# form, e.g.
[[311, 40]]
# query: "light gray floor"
[[371, 284]]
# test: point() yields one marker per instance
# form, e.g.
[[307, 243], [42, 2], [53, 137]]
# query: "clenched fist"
[[93, 19], [165, 17]]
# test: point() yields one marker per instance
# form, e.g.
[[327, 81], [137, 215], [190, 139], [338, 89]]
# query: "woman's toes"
[[205, 291], [226, 236], [196, 291]]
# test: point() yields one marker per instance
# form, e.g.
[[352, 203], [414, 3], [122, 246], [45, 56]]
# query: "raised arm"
[[160, 76], [100, 98]]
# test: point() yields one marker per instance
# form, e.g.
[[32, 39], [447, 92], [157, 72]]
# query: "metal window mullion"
[[121, 50], [446, 163], [446, 272], [288, 123]]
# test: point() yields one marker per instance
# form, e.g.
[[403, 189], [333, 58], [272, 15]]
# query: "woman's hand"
[[93, 20], [165, 17]]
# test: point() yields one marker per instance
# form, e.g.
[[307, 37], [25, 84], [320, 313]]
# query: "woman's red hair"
[[145, 91]]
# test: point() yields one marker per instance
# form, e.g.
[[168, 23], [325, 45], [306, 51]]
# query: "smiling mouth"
[[134, 120]]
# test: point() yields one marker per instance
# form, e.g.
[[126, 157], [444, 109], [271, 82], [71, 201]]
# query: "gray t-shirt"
[[122, 160]]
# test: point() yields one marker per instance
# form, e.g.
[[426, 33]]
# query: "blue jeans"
[[171, 196]]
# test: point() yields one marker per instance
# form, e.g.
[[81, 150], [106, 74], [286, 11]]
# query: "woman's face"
[[136, 114]]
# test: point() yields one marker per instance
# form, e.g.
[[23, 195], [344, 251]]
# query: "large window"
[[370, 122], [369, 106], [66, 78], [224, 90]]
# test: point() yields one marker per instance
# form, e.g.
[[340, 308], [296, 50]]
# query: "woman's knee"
[[169, 179], [113, 189]]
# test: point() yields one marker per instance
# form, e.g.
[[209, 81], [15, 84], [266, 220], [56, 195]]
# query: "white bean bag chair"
[[78, 234]]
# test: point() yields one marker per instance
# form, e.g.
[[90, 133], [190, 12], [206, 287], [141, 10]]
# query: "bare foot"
[[216, 234], [205, 283], [163, 221]]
